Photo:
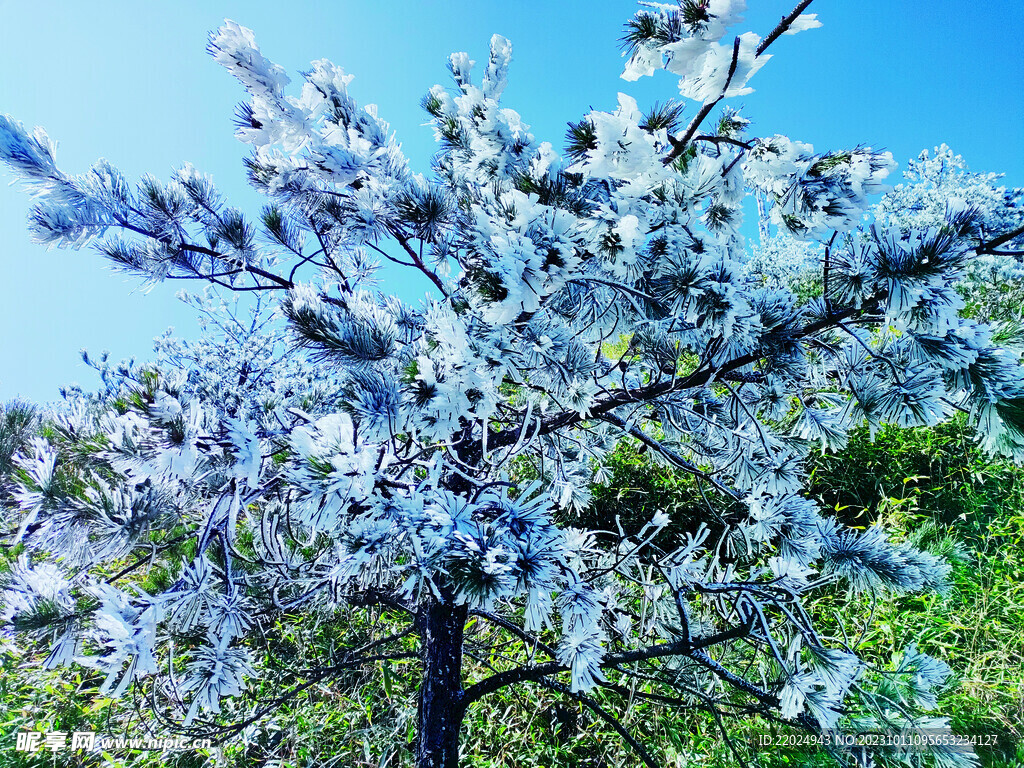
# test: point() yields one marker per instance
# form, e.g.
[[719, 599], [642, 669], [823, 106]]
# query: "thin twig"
[[598, 710], [784, 25]]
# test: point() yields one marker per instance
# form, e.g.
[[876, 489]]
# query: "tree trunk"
[[440, 705]]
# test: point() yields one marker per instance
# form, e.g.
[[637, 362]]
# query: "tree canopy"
[[431, 462]]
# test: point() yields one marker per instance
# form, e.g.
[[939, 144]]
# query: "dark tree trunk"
[[440, 705]]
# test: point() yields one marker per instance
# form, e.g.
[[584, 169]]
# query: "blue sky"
[[131, 82]]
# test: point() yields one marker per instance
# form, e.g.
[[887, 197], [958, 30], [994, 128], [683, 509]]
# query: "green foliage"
[[937, 471], [637, 489], [580, 138], [1001, 300], [17, 420], [935, 486], [665, 116], [682, 162]]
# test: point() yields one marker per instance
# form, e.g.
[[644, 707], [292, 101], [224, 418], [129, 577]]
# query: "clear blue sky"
[[131, 82]]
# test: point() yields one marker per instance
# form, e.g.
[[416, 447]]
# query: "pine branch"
[[724, 140], [785, 24], [535, 672], [522, 634], [669, 454], [418, 262], [167, 240], [699, 378], [679, 145], [682, 647], [988, 246]]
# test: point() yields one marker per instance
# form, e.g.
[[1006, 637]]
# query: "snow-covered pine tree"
[[993, 275], [437, 471]]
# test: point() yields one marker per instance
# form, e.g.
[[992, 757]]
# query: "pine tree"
[[431, 461], [992, 277]]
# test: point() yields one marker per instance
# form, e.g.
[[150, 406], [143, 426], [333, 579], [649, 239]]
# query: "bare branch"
[[598, 710], [724, 140], [989, 245], [784, 25]]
